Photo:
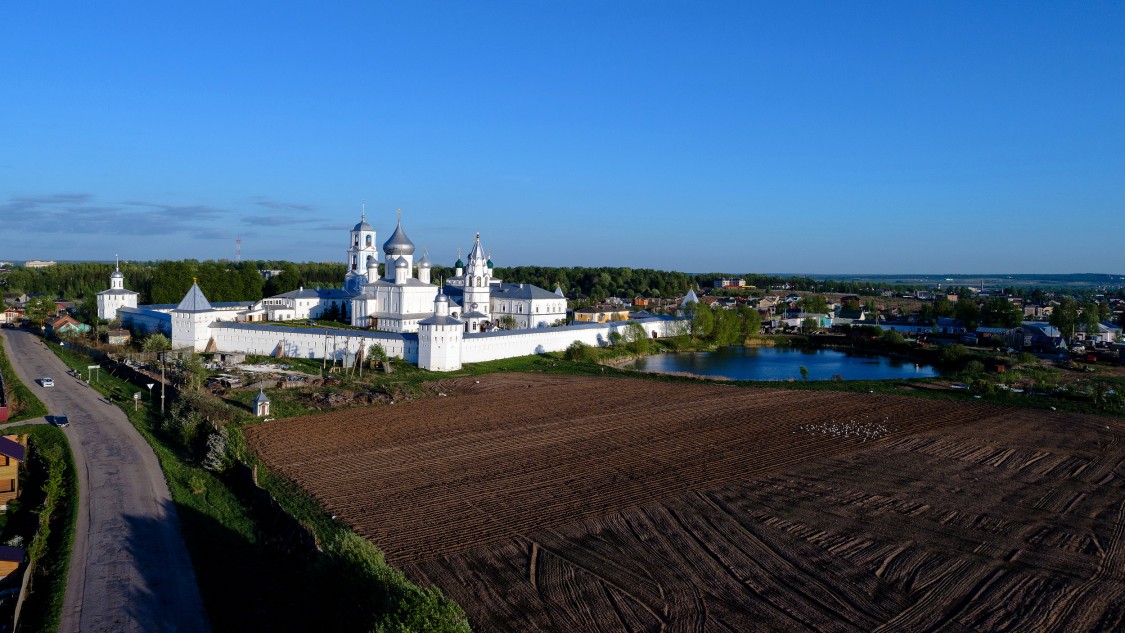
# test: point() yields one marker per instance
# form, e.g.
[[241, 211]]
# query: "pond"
[[778, 363]]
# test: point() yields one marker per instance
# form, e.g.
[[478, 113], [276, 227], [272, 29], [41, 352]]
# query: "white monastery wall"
[[308, 342], [477, 348]]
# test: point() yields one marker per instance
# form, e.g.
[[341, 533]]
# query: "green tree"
[[39, 309], [968, 312], [727, 329], [1091, 320], [635, 334], [815, 304], [809, 325], [375, 352], [751, 322], [999, 312], [507, 322], [156, 343], [702, 321], [804, 373], [1065, 317]]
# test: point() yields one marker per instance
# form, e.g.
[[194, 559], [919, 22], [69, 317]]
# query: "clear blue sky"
[[835, 137]]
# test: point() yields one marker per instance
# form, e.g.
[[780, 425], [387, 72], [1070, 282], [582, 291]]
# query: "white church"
[[471, 317]]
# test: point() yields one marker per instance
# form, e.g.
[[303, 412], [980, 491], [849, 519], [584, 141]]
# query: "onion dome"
[[371, 261], [363, 225], [401, 263], [399, 244], [117, 275], [424, 262], [459, 264], [441, 298]]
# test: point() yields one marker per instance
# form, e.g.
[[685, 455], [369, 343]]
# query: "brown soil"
[[595, 504]]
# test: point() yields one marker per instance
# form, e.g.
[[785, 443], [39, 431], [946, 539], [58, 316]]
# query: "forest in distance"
[[163, 282]]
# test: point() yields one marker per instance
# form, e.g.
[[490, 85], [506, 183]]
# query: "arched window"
[[369, 241]]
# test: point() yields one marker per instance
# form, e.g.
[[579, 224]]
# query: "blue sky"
[[741, 137]]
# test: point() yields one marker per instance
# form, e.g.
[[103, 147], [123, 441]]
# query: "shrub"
[[974, 367], [579, 352]]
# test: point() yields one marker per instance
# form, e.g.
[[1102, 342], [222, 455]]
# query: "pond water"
[[778, 363]]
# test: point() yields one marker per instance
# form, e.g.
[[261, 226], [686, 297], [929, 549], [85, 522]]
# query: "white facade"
[[363, 255], [117, 297], [439, 339]]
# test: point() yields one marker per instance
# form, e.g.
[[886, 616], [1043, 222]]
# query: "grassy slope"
[[248, 579], [23, 404]]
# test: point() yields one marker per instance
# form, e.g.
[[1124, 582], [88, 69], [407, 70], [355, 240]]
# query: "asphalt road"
[[130, 569]]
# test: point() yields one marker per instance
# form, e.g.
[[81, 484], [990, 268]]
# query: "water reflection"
[[775, 363]]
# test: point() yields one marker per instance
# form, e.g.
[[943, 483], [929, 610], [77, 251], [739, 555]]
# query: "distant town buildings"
[[35, 263]]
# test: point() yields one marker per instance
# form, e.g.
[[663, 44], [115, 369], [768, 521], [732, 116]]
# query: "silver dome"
[[117, 275], [363, 226], [401, 263], [399, 244]]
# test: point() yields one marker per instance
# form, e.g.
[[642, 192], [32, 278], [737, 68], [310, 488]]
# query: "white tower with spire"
[[109, 301], [478, 288], [361, 246]]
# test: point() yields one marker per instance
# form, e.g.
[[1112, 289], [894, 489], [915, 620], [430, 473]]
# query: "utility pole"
[[162, 384]]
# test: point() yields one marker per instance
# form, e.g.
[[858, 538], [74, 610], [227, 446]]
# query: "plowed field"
[[582, 504]]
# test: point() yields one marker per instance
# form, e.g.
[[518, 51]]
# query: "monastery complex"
[[437, 326]]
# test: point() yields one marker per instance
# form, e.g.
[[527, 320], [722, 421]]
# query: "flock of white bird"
[[859, 429]]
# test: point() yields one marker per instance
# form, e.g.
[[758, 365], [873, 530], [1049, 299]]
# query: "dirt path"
[[129, 568]]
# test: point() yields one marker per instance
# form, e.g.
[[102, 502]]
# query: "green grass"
[[43, 607], [22, 404]]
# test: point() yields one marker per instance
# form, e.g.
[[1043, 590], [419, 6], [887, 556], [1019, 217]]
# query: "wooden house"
[[13, 452]]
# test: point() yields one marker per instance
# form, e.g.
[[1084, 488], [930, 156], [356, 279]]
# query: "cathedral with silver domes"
[[404, 294]]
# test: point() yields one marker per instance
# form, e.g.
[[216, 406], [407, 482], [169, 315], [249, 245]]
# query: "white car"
[[47, 381]]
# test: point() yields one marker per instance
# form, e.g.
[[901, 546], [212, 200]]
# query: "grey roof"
[[363, 226], [194, 301], [289, 329], [261, 397], [116, 275], [300, 293], [401, 263], [398, 244], [559, 291], [370, 258], [441, 320], [111, 291], [473, 315], [690, 298], [13, 449], [522, 291]]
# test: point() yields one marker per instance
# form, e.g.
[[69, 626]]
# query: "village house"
[[13, 452], [65, 326], [601, 314]]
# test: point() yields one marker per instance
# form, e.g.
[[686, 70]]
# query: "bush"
[[974, 367], [580, 352], [953, 354]]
